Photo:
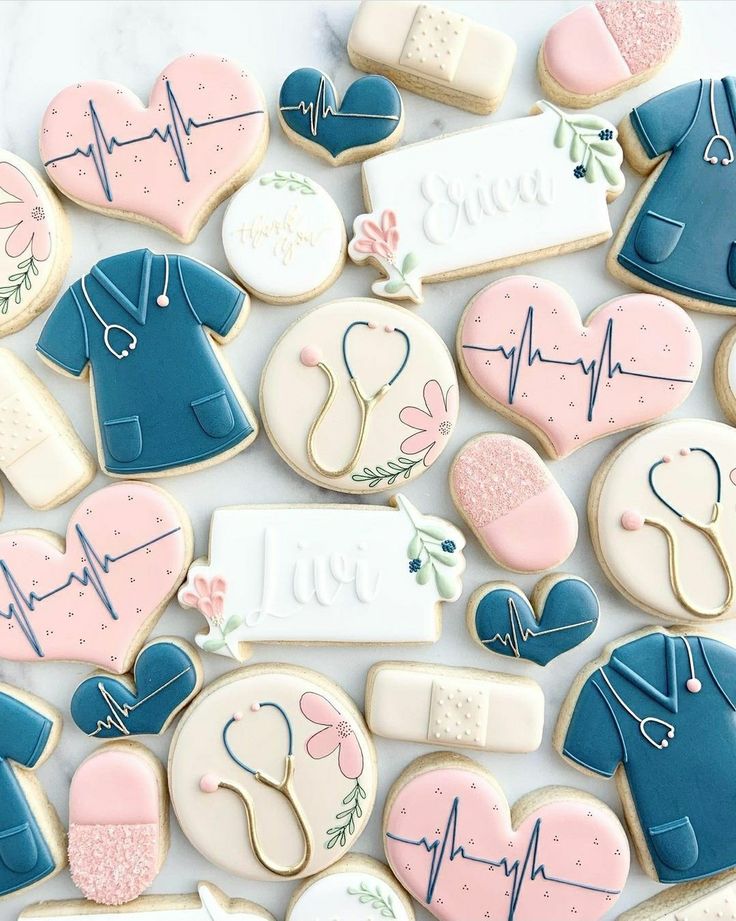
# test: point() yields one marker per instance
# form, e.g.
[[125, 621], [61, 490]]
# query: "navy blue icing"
[[169, 402], [164, 680], [505, 621], [369, 114], [683, 237], [25, 855]]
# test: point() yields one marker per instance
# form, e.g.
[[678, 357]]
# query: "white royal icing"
[[347, 897]]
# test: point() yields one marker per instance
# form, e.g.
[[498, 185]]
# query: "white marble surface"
[[45, 46]]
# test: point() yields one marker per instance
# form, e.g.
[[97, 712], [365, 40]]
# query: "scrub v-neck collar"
[[667, 698], [137, 311]]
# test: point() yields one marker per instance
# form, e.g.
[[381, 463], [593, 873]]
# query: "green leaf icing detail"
[[402, 466], [346, 818], [292, 182], [426, 546], [22, 280], [581, 135], [379, 901]]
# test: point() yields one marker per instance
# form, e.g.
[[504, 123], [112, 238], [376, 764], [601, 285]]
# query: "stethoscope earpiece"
[[716, 136]]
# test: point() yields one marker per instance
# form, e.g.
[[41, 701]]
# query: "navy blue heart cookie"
[[369, 119], [563, 612], [166, 676]]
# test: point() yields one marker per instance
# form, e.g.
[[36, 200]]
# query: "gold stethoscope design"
[[711, 530], [311, 357], [210, 784]]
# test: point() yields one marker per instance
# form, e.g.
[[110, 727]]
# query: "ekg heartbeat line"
[[519, 870], [120, 713], [319, 109], [100, 148], [517, 635], [526, 354], [91, 574]]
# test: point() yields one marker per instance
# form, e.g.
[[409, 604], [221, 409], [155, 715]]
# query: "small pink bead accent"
[[237, 716], [372, 324], [684, 452], [389, 329], [664, 743], [209, 783], [310, 356], [162, 300], [693, 685], [632, 520], [255, 707], [666, 459]]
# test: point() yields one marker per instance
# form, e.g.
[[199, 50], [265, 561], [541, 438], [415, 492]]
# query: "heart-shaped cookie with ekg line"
[[453, 842], [524, 350], [203, 133], [95, 598]]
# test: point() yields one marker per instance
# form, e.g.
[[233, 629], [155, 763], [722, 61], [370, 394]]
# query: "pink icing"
[[531, 318], [632, 520], [113, 864], [74, 622], [114, 787], [645, 31], [211, 101], [578, 840]]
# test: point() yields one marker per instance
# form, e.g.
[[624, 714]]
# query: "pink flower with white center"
[[433, 424]]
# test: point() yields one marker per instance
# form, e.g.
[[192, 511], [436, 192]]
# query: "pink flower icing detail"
[[380, 241], [26, 215], [338, 735], [433, 424], [207, 596]]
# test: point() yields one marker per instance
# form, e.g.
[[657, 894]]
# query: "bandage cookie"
[[602, 49], [356, 888], [133, 322], [655, 712], [454, 843], [457, 707], [659, 520], [525, 352], [676, 237], [368, 121], [700, 901], [486, 199], [562, 613], [167, 674], [433, 51], [170, 164], [118, 823], [272, 772], [31, 836], [35, 244], [324, 574], [207, 904], [96, 596], [359, 396], [284, 237], [516, 509]]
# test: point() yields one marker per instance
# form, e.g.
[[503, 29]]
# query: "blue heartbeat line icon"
[[177, 128], [320, 109], [92, 573], [525, 355], [519, 870], [517, 635]]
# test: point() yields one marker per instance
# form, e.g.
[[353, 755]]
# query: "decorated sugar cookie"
[[563, 612], [369, 120], [454, 843], [660, 520], [95, 596], [324, 574], [35, 244], [725, 375], [456, 707], [524, 351], [656, 712], [485, 199], [170, 164], [208, 904], [356, 888], [515, 507], [30, 831], [676, 237], [359, 396], [272, 772], [284, 237], [118, 823], [713, 897], [602, 49], [167, 674], [433, 51], [131, 325]]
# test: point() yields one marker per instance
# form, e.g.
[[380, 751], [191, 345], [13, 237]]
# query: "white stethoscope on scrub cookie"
[[162, 300], [708, 155], [633, 521], [311, 357]]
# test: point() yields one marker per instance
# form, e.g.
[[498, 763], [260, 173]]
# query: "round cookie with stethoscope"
[[661, 514], [272, 772], [359, 396]]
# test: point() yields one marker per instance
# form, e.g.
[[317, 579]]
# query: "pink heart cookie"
[[204, 132], [452, 841], [96, 598], [524, 351]]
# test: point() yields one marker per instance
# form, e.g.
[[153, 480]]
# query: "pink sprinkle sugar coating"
[[496, 474], [645, 31], [113, 864]]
